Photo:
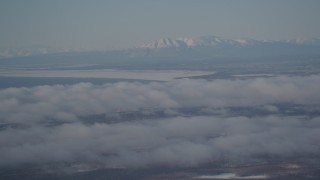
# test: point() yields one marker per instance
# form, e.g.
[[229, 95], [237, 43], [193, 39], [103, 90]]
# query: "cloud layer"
[[175, 142], [66, 103], [181, 140]]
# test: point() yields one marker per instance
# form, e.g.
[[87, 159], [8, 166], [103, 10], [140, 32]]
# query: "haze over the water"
[[100, 25]]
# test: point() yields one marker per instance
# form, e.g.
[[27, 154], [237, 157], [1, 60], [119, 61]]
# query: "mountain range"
[[217, 47], [180, 53], [205, 41], [204, 45], [214, 41]]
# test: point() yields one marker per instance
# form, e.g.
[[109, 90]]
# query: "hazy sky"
[[106, 24]]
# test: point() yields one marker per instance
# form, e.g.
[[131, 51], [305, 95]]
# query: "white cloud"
[[175, 141], [50, 102]]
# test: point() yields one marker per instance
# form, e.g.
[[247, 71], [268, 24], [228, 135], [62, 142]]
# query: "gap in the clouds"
[[158, 114], [17, 82], [285, 110]]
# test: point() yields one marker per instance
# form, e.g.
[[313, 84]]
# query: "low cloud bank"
[[178, 141], [67, 103], [172, 142]]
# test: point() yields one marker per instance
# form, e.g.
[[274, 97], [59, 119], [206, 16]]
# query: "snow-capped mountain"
[[214, 41], [205, 41], [205, 47], [217, 47], [165, 43], [166, 53]]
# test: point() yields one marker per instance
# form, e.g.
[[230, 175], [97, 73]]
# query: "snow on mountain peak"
[[165, 43], [205, 41]]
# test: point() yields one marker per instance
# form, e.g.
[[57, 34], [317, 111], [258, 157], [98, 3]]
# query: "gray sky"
[[99, 24]]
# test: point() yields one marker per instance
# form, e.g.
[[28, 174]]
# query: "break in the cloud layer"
[[183, 141]]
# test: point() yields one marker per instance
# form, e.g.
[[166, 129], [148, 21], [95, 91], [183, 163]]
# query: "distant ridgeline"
[[171, 53]]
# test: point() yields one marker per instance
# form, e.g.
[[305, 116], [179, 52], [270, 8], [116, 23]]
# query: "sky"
[[114, 24]]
